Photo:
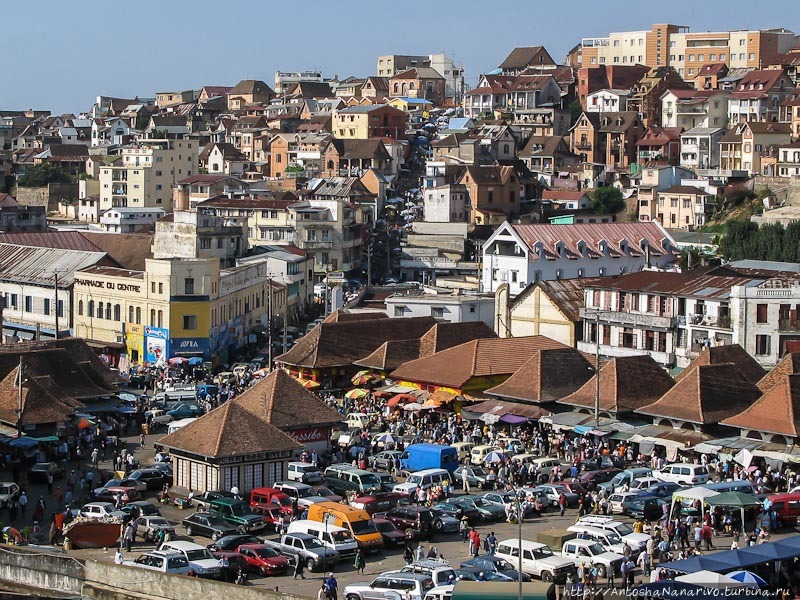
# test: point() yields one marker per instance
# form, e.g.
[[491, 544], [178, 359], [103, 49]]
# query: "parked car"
[[264, 559], [140, 508], [201, 561], [100, 510], [387, 481], [39, 471], [392, 536], [476, 476], [304, 473], [203, 501], [8, 490], [148, 527], [553, 491], [575, 487], [327, 493], [590, 479], [163, 561], [457, 511], [663, 489], [649, 508], [127, 492], [619, 501], [416, 521], [153, 479], [231, 563], [207, 525], [490, 562], [386, 586], [503, 498], [229, 543], [385, 460], [489, 511], [275, 516]]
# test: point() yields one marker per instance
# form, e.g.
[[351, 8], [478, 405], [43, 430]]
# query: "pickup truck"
[[586, 552], [538, 560], [202, 502], [237, 512], [305, 547]]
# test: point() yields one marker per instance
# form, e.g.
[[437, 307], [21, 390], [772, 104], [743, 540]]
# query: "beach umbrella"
[[178, 360], [307, 383], [355, 394], [359, 375], [750, 579], [494, 457], [386, 438], [195, 360]]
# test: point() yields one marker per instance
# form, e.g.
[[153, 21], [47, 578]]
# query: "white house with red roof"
[[523, 254]]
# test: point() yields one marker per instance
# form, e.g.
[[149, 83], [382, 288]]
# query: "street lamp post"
[[597, 370], [520, 515]]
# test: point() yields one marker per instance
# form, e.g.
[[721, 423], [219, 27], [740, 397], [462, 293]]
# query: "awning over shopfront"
[[500, 410]]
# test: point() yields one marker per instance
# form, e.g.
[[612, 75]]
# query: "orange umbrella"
[[308, 383], [400, 398]]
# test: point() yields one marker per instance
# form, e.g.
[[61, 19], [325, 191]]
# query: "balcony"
[[119, 175], [788, 325], [583, 145], [629, 318], [664, 358], [710, 321], [317, 244]]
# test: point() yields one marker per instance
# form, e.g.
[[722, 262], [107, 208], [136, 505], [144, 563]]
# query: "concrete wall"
[[107, 581], [36, 569], [49, 196]]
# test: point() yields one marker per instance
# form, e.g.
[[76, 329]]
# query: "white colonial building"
[[523, 254]]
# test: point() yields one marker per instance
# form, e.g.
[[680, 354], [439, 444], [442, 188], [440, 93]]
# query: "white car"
[[158, 416], [642, 483], [616, 502], [390, 585], [101, 510], [158, 560], [683, 474]]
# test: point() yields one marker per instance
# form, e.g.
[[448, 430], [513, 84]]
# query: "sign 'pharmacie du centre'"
[[110, 285]]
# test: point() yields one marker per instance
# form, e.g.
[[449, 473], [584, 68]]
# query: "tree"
[[607, 200], [575, 110], [42, 174]]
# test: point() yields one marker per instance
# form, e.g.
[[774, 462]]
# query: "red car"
[[263, 559], [128, 493], [231, 563], [575, 487], [275, 515]]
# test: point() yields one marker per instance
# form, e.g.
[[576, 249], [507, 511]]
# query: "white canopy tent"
[[695, 493], [710, 579]]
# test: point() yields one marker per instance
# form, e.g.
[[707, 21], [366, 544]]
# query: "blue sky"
[[60, 55]]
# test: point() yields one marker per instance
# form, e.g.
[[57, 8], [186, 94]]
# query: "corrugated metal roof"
[[37, 265]]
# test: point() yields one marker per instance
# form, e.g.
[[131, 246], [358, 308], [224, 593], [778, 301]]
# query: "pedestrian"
[[49, 482], [432, 553], [333, 587], [562, 503], [128, 537], [408, 555], [624, 568], [142, 440], [360, 563], [465, 481], [420, 552], [298, 567], [631, 569], [95, 457], [610, 576], [644, 563], [322, 593], [492, 539], [475, 542], [23, 503], [698, 535], [118, 558]]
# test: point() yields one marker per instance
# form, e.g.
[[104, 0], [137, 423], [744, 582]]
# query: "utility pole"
[[284, 331], [597, 370], [369, 264], [55, 307], [19, 398], [269, 321]]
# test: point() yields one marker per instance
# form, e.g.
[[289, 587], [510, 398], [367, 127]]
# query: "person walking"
[[333, 587], [360, 563], [408, 555], [465, 481], [23, 503], [298, 568], [128, 537], [562, 503], [463, 528]]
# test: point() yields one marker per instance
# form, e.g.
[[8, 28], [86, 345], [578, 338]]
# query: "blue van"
[[418, 457]]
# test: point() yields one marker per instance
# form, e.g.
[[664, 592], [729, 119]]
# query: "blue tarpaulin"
[[731, 560]]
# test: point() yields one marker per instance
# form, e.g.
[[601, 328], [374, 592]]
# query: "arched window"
[[152, 317], [130, 314], [99, 310], [90, 312], [138, 315], [117, 310], [396, 87], [108, 311], [330, 165], [160, 318], [80, 308], [411, 85]]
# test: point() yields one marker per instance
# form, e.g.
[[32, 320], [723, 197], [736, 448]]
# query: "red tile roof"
[[626, 384], [777, 411], [549, 375], [746, 365], [705, 394], [595, 233], [562, 195], [789, 365], [455, 366]]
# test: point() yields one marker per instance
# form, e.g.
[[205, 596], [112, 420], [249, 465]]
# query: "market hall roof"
[[789, 365], [455, 366], [777, 411], [339, 344], [549, 375], [626, 384], [745, 364]]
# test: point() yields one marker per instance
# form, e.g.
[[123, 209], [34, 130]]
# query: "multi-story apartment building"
[[362, 122], [266, 218], [687, 52], [187, 192], [603, 101], [190, 234], [758, 95], [682, 206], [389, 65], [688, 108], [523, 254], [146, 173], [130, 219], [671, 316], [700, 147], [329, 222], [766, 317], [285, 81], [743, 147]]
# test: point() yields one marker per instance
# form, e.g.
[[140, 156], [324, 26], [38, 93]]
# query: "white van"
[[357, 421], [424, 479], [608, 539], [172, 397], [683, 474], [478, 453], [201, 562], [176, 425], [463, 449], [331, 536], [303, 472]]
